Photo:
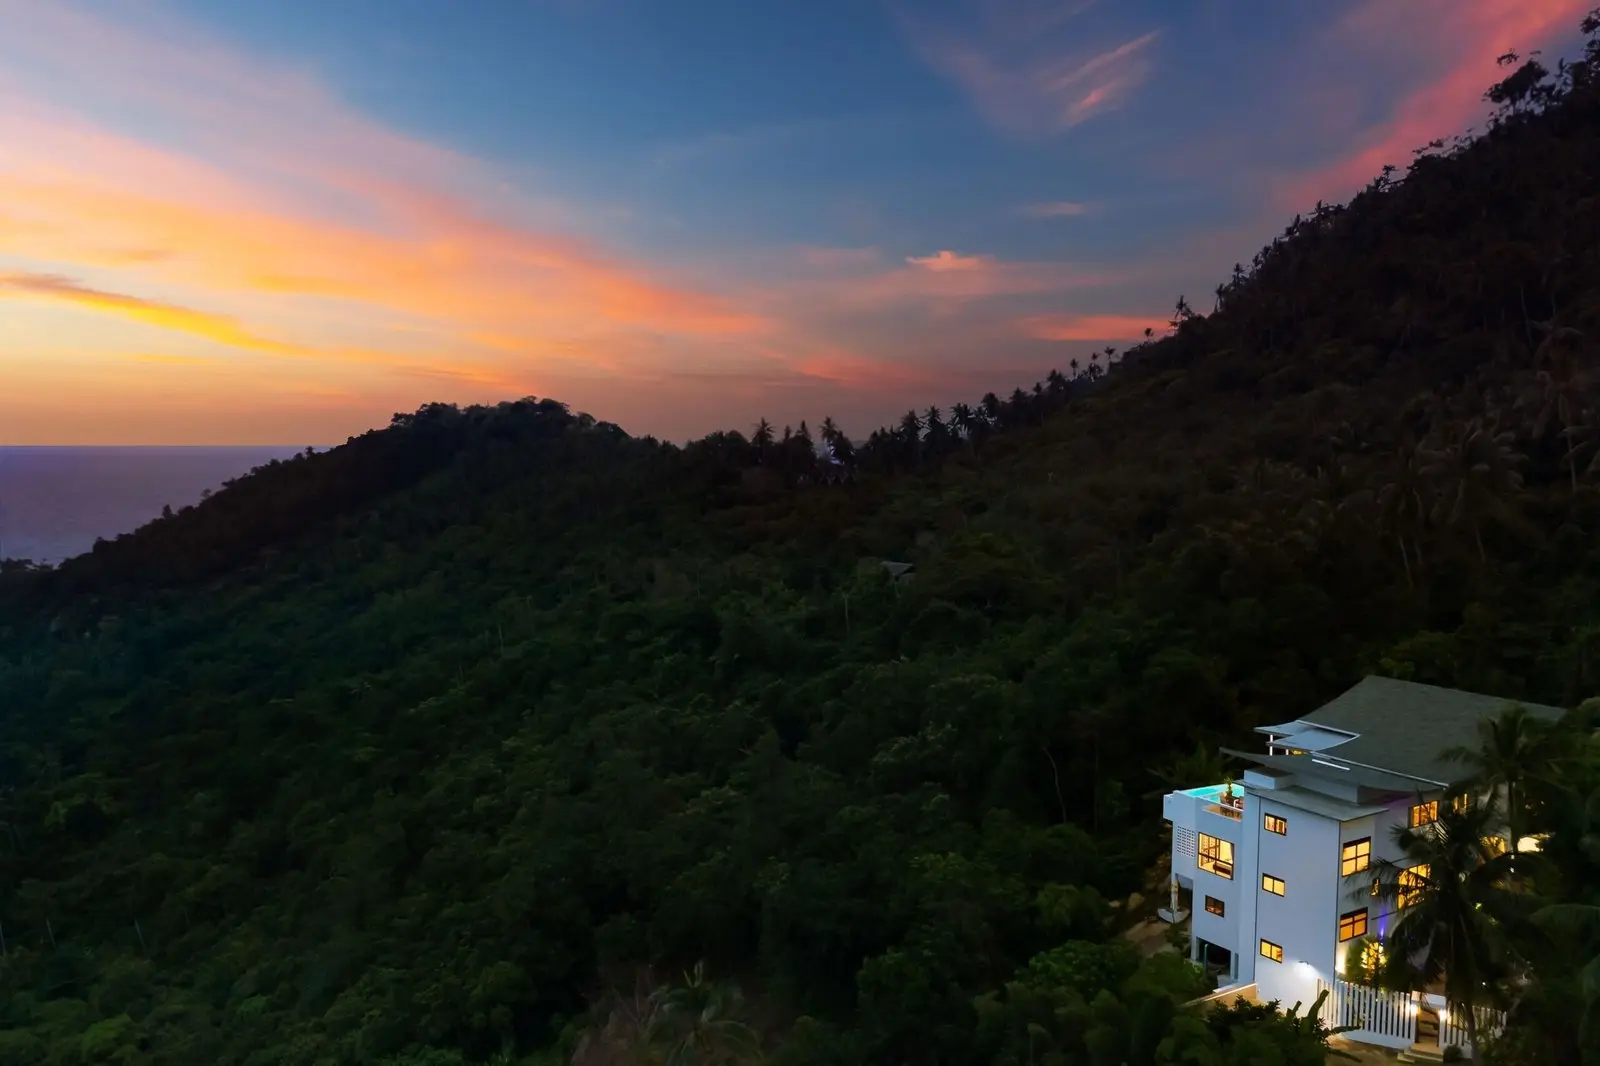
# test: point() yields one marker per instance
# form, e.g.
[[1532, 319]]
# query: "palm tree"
[[965, 420], [1403, 507], [1475, 473], [1512, 752], [695, 1023], [763, 436], [1448, 896]]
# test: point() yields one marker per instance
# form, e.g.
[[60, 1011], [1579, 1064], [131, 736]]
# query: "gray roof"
[[1362, 776], [1305, 800], [1403, 726]]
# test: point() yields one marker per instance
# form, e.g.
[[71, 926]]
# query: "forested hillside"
[[458, 739]]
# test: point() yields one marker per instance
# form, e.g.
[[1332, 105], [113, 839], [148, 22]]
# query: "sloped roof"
[[1402, 726]]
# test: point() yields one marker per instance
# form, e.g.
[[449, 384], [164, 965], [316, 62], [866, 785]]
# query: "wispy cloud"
[[1459, 51], [946, 260], [1055, 209], [1092, 327], [54, 287], [943, 280], [1024, 68], [270, 195]]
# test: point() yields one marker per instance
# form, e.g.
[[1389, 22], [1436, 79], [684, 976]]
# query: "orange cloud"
[[1092, 327], [273, 199], [1021, 73], [1464, 40], [54, 287], [945, 281], [851, 370]]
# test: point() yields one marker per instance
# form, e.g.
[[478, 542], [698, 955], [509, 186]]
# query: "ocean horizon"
[[56, 501]]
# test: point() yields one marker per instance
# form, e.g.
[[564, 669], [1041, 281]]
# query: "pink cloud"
[[1463, 41], [269, 195], [945, 260], [1092, 327], [1021, 73]]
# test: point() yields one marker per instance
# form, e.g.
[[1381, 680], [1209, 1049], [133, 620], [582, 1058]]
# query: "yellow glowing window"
[[1355, 856], [1412, 881], [1272, 951], [1424, 813], [1272, 884], [1274, 824], [1353, 924], [1495, 845], [1215, 855], [1216, 906], [1460, 804]]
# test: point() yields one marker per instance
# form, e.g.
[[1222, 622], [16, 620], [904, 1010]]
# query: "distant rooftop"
[[1398, 726]]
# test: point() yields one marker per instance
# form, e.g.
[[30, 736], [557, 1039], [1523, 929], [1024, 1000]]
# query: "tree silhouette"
[[1447, 891]]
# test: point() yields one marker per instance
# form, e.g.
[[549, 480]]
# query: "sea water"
[[55, 502]]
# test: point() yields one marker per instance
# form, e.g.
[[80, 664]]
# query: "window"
[[1353, 924], [1461, 804], [1424, 813], [1215, 906], [1273, 824], [1495, 846], [1272, 951], [1272, 884], [1215, 856], [1412, 881], [1355, 856]]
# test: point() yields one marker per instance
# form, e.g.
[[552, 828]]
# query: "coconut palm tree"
[[1448, 893], [695, 1023], [1403, 507], [1476, 473], [1512, 751]]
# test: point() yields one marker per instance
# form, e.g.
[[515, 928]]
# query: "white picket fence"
[[1389, 1019], [1453, 1026]]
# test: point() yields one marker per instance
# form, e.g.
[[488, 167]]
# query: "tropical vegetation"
[[422, 749]]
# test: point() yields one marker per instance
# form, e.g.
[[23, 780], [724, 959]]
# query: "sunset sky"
[[225, 221]]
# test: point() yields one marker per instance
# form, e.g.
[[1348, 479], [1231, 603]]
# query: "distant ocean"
[[54, 502]]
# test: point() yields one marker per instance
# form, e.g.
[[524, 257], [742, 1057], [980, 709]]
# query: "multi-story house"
[[1270, 867]]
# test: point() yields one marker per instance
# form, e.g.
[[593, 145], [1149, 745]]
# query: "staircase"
[[1426, 1047]]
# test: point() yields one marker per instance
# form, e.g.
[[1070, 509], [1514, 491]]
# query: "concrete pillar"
[[1173, 905]]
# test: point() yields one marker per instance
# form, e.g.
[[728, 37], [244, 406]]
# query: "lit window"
[[1495, 846], [1461, 804], [1274, 824], [1272, 884], [1355, 856], [1353, 924], [1215, 855], [1215, 906], [1272, 951], [1424, 813], [1412, 881]]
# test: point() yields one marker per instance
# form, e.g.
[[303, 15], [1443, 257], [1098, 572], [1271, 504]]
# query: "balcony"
[[1207, 809]]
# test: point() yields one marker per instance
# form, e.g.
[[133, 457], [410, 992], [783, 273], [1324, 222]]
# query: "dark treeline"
[[469, 739]]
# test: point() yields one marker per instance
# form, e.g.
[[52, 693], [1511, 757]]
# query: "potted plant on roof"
[[1229, 797]]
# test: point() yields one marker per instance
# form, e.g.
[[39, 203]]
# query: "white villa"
[[1270, 867]]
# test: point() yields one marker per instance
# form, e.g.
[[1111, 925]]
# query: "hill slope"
[[420, 741]]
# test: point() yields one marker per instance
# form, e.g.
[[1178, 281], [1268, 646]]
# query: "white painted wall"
[[1305, 919]]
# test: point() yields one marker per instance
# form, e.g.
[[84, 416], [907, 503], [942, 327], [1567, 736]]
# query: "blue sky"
[[255, 222]]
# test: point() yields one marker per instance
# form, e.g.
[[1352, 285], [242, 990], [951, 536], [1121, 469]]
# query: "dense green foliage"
[[415, 748]]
